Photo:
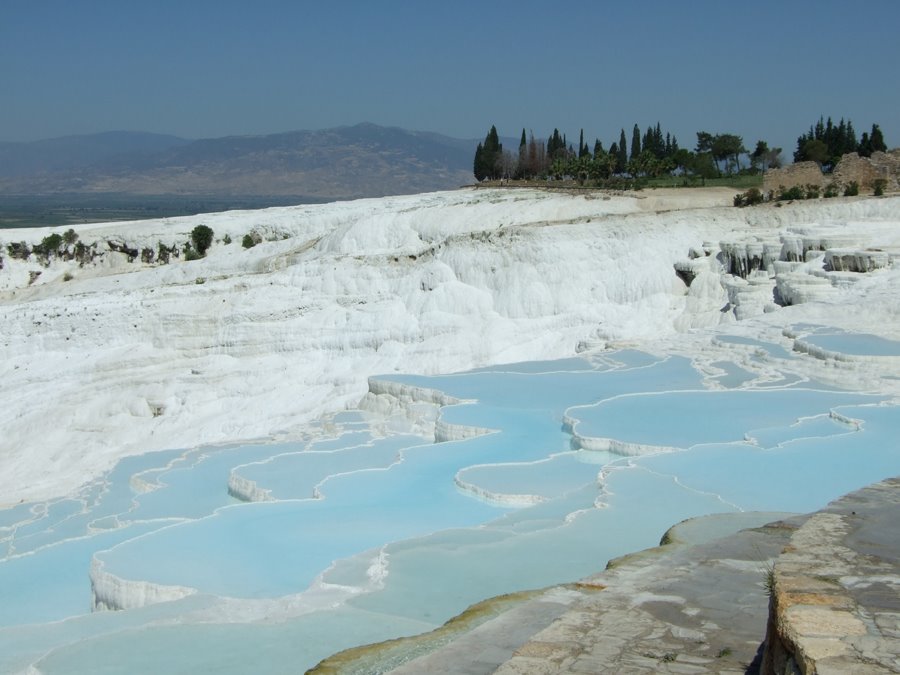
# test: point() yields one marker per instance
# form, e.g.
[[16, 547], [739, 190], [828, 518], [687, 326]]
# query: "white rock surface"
[[127, 357]]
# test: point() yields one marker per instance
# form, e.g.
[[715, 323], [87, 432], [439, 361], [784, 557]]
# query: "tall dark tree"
[[763, 157], [838, 140], [653, 142], [704, 142], [877, 139], [478, 167], [816, 150], [523, 156], [622, 154], [635, 142], [488, 156], [556, 146], [583, 149], [728, 148]]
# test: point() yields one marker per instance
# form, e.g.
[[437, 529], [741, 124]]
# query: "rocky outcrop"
[[835, 590]]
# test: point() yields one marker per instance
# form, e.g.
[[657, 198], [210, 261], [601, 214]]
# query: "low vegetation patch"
[[202, 238]]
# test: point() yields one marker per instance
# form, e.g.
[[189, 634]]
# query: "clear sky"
[[206, 68]]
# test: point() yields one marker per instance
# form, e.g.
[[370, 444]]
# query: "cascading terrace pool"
[[268, 557]]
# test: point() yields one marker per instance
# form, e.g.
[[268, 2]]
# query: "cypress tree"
[[523, 156], [877, 139], [478, 167], [635, 142], [556, 146], [865, 145], [492, 151], [851, 137], [622, 155], [582, 146], [487, 156]]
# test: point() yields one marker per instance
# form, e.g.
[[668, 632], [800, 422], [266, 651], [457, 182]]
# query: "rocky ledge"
[[823, 589], [836, 589]]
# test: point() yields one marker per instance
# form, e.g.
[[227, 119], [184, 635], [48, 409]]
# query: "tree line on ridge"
[[653, 153]]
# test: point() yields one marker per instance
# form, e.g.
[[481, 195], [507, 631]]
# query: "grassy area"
[[736, 182]]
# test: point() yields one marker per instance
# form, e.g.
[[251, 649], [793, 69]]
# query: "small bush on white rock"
[[202, 237]]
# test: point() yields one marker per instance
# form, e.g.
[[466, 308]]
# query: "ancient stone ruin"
[[799, 174], [863, 170]]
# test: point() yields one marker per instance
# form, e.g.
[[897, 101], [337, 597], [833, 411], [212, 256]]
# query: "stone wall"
[[852, 167], [865, 170], [793, 175]]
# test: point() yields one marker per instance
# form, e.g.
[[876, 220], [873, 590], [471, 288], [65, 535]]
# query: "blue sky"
[[203, 69]]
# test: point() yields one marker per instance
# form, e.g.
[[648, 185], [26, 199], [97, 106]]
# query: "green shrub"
[[226, 239], [248, 241], [831, 190], [202, 236], [49, 244], [812, 191], [190, 253], [70, 236], [753, 196], [878, 186], [786, 194], [852, 189]]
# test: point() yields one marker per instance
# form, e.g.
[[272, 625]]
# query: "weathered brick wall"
[[799, 173], [852, 167], [865, 170]]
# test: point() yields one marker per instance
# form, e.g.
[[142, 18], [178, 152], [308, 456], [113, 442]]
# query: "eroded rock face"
[[836, 589]]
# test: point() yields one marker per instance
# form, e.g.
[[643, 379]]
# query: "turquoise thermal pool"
[[271, 556]]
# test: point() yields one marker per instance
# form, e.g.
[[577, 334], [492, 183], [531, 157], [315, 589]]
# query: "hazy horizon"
[[208, 70]]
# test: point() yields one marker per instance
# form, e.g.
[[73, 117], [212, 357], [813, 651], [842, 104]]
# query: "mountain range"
[[365, 160]]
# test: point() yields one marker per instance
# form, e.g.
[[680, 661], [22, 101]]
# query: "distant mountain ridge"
[[77, 152], [365, 160]]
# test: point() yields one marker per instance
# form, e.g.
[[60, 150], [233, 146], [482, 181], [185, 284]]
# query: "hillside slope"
[[365, 160]]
